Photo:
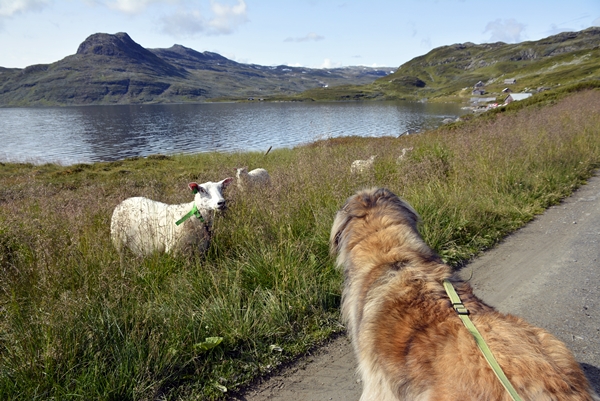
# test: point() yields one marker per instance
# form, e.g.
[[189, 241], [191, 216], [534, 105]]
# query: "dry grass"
[[75, 323]]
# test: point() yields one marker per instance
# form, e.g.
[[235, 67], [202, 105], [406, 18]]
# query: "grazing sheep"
[[361, 166], [403, 155], [250, 179], [146, 226]]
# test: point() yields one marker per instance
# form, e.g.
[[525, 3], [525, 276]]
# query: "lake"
[[70, 135]]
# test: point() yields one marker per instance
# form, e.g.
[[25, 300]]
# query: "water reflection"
[[105, 133]]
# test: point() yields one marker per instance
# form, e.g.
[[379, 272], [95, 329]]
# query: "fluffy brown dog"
[[408, 339]]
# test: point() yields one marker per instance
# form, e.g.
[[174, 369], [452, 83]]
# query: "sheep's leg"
[[122, 264]]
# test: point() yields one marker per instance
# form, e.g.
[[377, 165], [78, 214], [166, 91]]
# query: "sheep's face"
[[209, 195], [240, 172]]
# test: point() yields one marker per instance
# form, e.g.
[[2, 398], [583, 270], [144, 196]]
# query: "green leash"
[[463, 313], [193, 212]]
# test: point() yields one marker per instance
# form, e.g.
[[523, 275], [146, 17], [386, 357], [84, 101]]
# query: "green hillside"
[[450, 72], [113, 69]]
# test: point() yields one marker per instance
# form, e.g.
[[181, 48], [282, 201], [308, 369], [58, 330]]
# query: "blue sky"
[[309, 33]]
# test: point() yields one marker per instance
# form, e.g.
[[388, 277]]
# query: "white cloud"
[[508, 31], [184, 23], [9, 8], [596, 22], [224, 20], [311, 37], [327, 63], [227, 18], [131, 6]]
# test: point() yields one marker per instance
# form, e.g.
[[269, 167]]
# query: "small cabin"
[[513, 97]]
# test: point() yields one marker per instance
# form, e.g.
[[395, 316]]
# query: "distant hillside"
[[450, 72], [113, 69]]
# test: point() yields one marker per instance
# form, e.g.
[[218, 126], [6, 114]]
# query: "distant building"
[[510, 81], [506, 90], [478, 92], [479, 84], [482, 99], [513, 97]]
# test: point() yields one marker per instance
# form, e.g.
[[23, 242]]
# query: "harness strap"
[[193, 212], [463, 313]]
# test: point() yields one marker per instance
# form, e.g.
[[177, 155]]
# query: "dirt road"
[[548, 273]]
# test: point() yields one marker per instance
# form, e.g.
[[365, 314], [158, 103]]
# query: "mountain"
[[449, 73], [114, 69]]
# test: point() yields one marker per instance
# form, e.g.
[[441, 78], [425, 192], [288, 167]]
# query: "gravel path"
[[548, 273]]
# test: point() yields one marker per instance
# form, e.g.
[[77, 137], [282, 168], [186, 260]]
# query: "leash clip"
[[462, 311], [460, 308]]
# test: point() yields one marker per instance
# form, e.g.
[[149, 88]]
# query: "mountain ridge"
[[114, 69]]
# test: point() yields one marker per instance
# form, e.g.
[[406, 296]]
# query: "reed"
[[75, 323]]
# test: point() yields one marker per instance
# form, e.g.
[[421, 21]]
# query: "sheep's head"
[[240, 172], [209, 195]]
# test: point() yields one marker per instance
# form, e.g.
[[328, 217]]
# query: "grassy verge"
[[75, 323]]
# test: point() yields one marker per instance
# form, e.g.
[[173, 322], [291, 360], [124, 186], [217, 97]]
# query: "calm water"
[[105, 133]]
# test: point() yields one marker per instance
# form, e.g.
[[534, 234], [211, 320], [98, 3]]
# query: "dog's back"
[[408, 339]]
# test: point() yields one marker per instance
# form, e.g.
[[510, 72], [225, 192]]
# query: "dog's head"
[[368, 211]]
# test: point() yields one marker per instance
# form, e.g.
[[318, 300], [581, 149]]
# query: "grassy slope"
[[76, 323], [448, 73]]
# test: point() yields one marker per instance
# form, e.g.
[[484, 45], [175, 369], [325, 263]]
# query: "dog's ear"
[[410, 211], [385, 195], [334, 245], [342, 218], [358, 205]]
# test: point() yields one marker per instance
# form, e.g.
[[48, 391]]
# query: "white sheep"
[[250, 179], [361, 166], [146, 226], [403, 155]]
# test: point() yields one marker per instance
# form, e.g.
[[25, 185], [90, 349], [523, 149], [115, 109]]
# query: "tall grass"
[[75, 323]]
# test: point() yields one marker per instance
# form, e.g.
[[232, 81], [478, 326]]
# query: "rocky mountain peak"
[[119, 44], [179, 51]]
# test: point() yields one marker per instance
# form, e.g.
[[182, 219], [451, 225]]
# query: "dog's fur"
[[409, 341]]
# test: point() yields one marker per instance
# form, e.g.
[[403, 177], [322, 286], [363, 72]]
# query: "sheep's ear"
[[194, 187], [226, 182]]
